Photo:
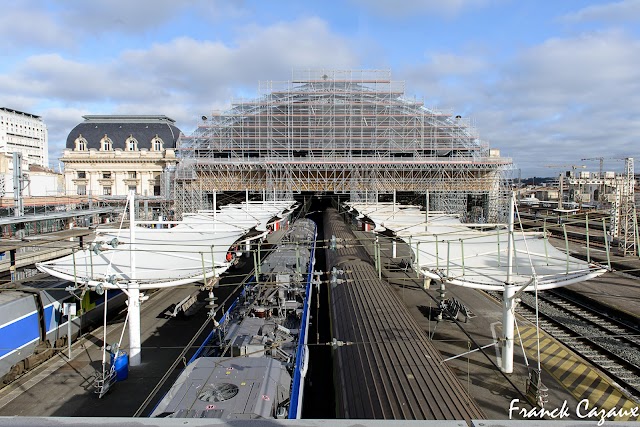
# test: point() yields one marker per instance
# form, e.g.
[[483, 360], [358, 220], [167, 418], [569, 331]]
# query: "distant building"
[[111, 155], [44, 182], [39, 181], [25, 133]]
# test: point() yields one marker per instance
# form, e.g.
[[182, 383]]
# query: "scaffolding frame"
[[628, 217], [343, 131]]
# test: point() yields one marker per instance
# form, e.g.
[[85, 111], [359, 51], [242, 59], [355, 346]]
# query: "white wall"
[[43, 185]]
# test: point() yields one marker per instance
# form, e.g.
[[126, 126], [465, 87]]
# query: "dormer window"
[[106, 144], [81, 143], [157, 143], [131, 143]]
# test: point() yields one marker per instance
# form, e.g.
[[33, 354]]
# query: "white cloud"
[[622, 11], [586, 66], [211, 69], [573, 98], [43, 25], [556, 102], [184, 78], [405, 8], [448, 80], [23, 26], [137, 16], [447, 64]]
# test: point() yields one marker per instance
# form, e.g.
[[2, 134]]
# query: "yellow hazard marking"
[[585, 385], [611, 401], [524, 335], [575, 374], [550, 350], [583, 382], [563, 365], [600, 389]]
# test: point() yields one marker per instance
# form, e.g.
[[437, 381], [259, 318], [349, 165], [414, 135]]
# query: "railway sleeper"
[[600, 360], [608, 367], [591, 354], [625, 375]]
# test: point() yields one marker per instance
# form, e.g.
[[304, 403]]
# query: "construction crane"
[[561, 178], [601, 159]]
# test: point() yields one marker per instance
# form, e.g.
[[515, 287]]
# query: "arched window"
[[131, 144], [106, 144], [157, 143], [81, 143]]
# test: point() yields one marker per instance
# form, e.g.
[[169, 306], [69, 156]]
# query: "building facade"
[[349, 132], [25, 133], [111, 155]]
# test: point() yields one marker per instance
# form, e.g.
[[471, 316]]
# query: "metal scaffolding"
[[615, 192], [628, 216], [347, 132]]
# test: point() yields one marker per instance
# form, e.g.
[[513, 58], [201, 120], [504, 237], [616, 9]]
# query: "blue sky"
[[546, 82]]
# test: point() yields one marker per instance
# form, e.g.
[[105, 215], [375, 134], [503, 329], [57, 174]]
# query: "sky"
[[546, 82]]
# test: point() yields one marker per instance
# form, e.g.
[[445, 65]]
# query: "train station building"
[[347, 132]]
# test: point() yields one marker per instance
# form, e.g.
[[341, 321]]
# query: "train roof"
[[387, 369], [215, 387]]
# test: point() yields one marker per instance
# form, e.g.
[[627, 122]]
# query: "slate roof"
[[119, 128]]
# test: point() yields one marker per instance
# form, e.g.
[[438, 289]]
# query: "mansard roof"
[[119, 127]]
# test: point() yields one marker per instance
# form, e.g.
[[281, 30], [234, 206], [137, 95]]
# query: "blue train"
[[253, 364], [32, 325]]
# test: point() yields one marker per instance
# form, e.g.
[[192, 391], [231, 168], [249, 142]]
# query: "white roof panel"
[[457, 253], [194, 248]]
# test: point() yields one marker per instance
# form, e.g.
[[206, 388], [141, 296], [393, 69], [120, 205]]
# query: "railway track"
[[612, 346]]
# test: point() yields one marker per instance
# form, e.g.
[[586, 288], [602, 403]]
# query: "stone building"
[[111, 155]]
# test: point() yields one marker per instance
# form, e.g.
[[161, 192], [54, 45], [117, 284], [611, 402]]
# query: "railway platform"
[[569, 379], [16, 254], [64, 387]]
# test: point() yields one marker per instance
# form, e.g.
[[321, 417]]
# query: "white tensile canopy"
[[476, 255], [481, 256], [247, 212], [164, 257], [148, 258], [185, 253]]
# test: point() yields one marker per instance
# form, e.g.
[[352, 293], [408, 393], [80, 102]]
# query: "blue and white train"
[[32, 324]]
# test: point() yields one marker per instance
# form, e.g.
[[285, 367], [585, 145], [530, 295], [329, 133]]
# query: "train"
[[384, 366], [33, 326], [253, 364]]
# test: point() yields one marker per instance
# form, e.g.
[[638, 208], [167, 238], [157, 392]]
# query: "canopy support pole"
[[426, 208], [394, 200], [134, 291], [508, 297]]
